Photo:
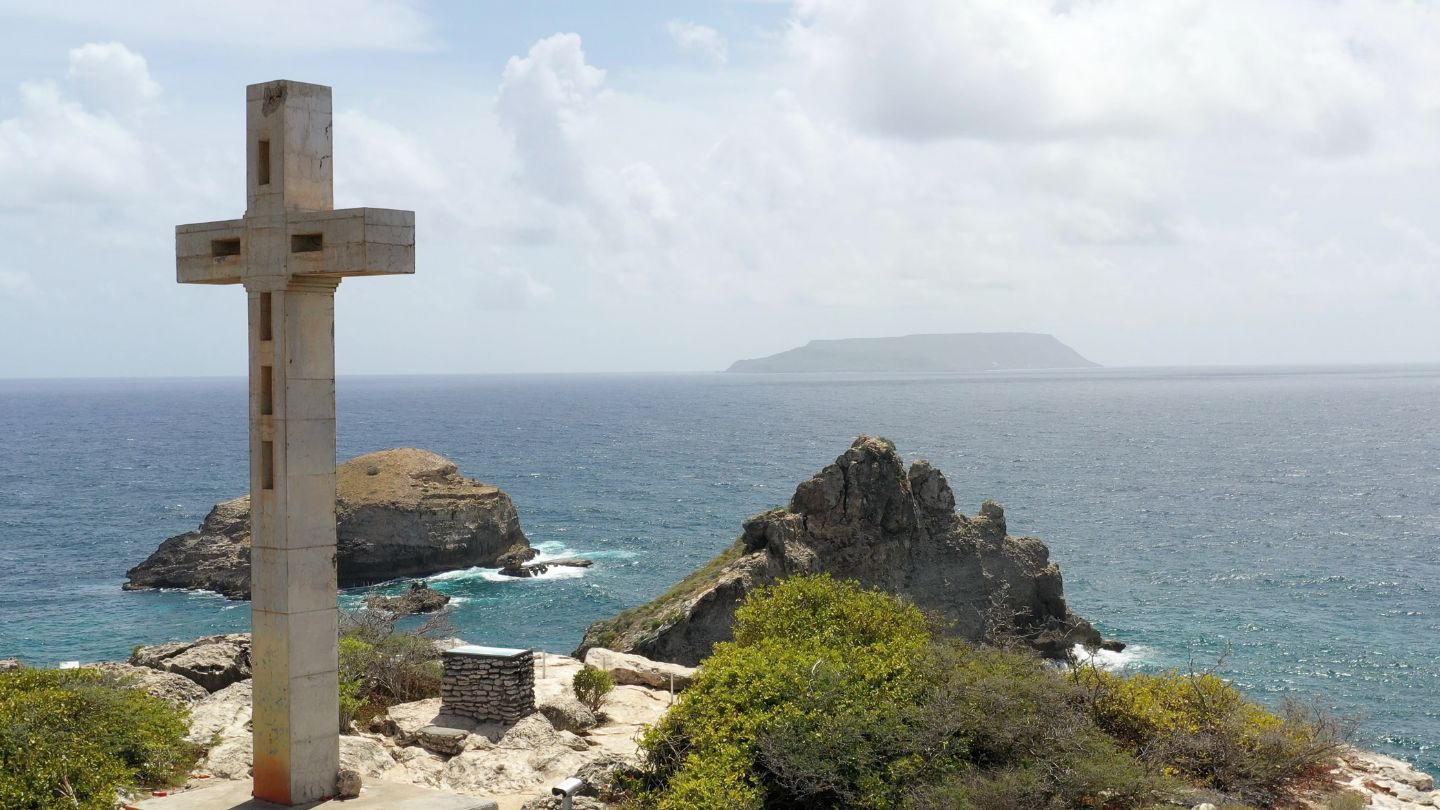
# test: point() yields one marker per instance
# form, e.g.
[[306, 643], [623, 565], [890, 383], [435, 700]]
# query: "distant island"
[[975, 351]]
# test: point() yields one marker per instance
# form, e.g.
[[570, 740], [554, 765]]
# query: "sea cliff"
[[398, 513], [866, 517]]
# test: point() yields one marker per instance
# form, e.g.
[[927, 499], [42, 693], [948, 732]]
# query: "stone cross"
[[290, 251]]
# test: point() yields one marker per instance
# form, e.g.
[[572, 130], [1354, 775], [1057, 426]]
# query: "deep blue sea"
[[1288, 516]]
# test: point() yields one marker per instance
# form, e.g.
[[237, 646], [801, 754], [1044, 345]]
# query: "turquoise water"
[[1288, 517]]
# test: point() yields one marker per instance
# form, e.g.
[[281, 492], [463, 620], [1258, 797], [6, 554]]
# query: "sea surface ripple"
[[1284, 523]]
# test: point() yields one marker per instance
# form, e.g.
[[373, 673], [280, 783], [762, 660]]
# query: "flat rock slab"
[[374, 796]]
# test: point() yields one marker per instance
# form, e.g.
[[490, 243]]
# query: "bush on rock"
[[592, 685], [382, 665]]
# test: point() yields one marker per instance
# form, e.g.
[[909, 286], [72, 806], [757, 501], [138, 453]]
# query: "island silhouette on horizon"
[[971, 351]]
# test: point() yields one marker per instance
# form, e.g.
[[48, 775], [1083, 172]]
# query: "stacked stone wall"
[[480, 686]]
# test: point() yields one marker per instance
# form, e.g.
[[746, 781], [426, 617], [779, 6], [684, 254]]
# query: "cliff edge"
[[398, 513], [867, 518]]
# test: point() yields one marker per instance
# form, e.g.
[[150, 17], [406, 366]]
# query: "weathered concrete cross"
[[290, 251]]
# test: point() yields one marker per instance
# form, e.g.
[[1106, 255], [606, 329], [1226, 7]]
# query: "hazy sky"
[[674, 185]]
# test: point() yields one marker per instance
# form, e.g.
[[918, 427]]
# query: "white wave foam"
[[547, 551], [554, 572], [1111, 661], [457, 574]]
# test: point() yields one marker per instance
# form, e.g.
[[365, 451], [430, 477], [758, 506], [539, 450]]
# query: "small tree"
[[591, 687]]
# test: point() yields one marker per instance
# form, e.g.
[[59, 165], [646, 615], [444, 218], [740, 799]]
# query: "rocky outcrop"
[[866, 517], [1381, 782], [536, 569], [213, 662], [420, 598], [177, 690], [398, 513], [631, 669]]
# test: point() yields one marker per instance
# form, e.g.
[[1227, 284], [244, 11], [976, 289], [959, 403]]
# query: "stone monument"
[[290, 251]]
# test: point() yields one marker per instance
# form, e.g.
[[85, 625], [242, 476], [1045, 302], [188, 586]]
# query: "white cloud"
[[1315, 75], [545, 98], [378, 161], [112, 77], [978, 165], [55, 150], [701, 39], [312, 26]]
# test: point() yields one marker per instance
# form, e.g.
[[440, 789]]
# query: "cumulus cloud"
[[380, 161], [1313, 74], [111, 77], [1089, 168], [56, 150], [701, 39], [544, 101]]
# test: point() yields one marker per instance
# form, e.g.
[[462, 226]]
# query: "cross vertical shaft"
[[290, 251]]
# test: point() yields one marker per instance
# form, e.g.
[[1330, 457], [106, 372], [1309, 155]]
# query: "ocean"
[[1281, 525]]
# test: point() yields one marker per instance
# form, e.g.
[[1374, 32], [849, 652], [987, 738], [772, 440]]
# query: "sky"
[[670, 186]]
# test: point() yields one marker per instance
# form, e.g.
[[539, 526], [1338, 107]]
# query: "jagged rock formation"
[[977, 351], [866, 518], [398, 513]]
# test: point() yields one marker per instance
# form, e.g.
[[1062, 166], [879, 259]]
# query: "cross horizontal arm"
[[352, 242], [210, 252], [348, 242]]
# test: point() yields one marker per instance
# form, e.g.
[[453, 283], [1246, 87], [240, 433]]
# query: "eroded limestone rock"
[[177, 690], [399, 513], [628, 668], [213, 662], [865, 517]]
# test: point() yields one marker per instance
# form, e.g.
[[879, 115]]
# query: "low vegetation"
[[73, 738], [835, 696], [592, 686], [382, 664]]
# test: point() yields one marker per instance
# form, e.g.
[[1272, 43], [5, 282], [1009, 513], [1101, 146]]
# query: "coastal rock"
[[223, 715], [405, 722], [11, 664], [510, 762], [867, 518], [214, 662], [347, 784], [1385, 783], [398, 513], [565, 713], [514, 569], [177, 690], [628, 668], [365, 756], [420, 598]]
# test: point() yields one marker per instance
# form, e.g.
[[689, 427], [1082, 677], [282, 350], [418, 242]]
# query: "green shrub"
[[382, 665], [72, 738], [592, 686], [1199, 727], [835, 696]]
